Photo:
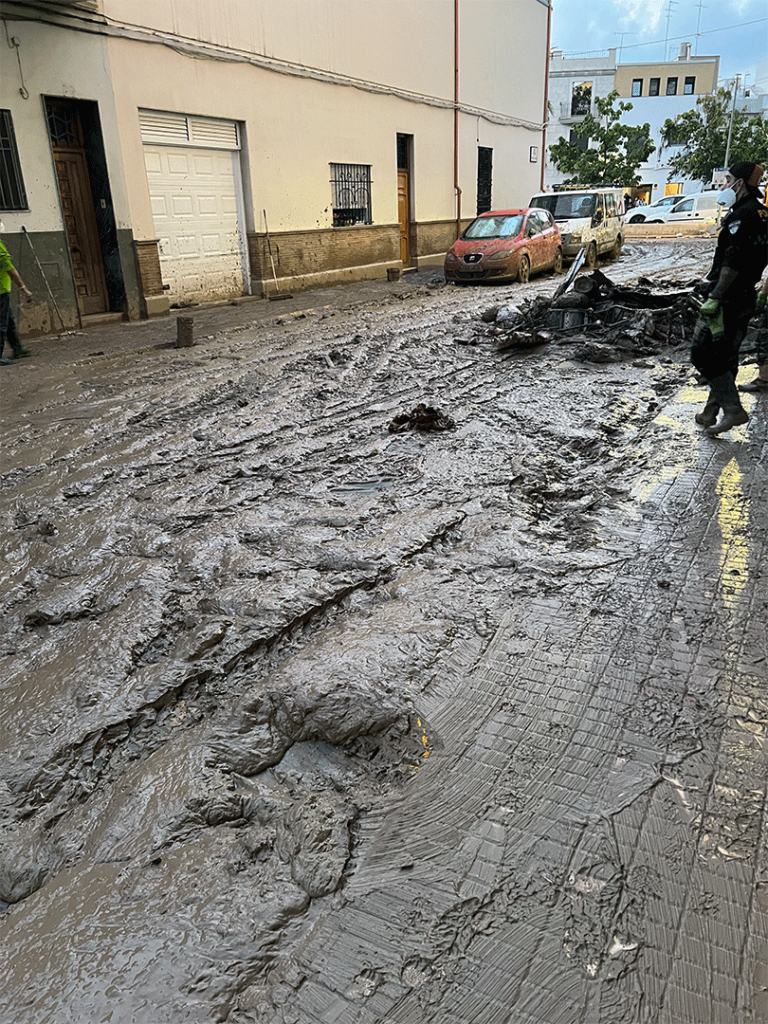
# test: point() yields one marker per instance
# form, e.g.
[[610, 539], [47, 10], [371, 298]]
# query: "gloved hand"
[[762, 298], [710, 307]]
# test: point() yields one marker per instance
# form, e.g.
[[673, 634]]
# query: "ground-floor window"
[[12, 194], [351, 184]]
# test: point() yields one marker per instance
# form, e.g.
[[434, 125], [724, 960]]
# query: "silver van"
[[590, 218], [701, 206]]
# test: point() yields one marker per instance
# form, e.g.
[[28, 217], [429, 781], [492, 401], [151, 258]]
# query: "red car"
[[505, 245]]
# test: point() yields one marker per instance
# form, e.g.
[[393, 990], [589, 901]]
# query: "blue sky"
[[736, 30]]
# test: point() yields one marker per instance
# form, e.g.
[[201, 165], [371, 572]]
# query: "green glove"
[[761, 300], [710, 307]]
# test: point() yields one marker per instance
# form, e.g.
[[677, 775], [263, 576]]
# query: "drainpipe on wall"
[[456, 115], [546, 98]]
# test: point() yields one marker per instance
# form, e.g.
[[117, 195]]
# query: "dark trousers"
[[715, 354], [8, 330]]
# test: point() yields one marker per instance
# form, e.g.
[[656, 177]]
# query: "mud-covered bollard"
[[185, 332], [393, 273]]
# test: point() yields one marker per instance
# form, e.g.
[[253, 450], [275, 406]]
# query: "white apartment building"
[[147, 146], [656, 90]]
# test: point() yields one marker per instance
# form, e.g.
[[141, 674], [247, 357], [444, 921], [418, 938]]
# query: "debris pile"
[[423, 417], [604, 322]]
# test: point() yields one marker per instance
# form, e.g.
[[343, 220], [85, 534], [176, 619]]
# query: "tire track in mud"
[[433, 583], [456, 978]]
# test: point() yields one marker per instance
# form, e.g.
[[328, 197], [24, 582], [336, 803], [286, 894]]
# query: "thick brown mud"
[[303, 720]]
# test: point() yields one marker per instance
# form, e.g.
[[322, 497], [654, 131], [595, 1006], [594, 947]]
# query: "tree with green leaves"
[[614, 151], [703, 135]]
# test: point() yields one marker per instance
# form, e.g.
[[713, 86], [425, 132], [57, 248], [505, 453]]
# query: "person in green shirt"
[[9, 275]]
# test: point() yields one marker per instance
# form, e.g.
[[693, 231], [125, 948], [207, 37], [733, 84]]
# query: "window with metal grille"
[[637, 87], [351, 184], [484, 178], [12, 193], [689, 86], [653, 87], [672, 87]]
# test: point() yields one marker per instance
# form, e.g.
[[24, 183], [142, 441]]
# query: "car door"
[[551, 237], [533, 239], [683, 211], [705, 207]]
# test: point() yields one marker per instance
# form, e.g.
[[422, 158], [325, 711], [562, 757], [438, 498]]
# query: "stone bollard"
[[184, 332], [393, 273]]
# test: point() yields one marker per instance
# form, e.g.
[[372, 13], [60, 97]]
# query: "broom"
[[277, 294]]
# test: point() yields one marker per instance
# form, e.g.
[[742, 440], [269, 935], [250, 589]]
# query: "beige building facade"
[[183, 152]]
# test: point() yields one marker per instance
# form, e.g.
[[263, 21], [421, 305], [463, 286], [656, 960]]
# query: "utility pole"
[[736, 84]]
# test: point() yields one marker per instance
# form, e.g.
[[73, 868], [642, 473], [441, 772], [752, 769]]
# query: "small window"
[[690, 85], [684, 207], [637, 87], [351, 184], [580, 140], [12, 194], [671, 87], [653, 86], [581, 99], [484, 179]]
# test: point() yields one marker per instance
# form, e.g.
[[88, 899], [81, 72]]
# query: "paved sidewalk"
[[142, 336]]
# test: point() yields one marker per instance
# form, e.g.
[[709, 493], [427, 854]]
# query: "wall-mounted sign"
[[534, 154]]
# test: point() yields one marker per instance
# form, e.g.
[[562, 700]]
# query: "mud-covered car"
[[505, 245]]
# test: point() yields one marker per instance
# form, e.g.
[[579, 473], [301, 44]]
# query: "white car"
[[702, 207], [638, 214]]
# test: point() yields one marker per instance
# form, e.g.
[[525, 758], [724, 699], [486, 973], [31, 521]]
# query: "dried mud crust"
[[240, 616]]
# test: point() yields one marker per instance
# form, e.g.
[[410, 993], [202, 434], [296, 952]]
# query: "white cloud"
[[645, 14]]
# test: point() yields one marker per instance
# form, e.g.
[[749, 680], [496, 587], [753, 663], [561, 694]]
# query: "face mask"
[[726, 198]]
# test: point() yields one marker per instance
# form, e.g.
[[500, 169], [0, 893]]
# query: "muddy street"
[[304, 721]]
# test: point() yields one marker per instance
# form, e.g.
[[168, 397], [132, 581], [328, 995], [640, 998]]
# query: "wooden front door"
[[77, 206], [404, 216]]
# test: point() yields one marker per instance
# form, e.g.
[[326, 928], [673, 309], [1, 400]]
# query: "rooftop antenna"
[[670, 5], [621, 41], [700, 5]]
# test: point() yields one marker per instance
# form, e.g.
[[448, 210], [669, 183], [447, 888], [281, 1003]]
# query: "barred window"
[[351, 184], [12, 194]]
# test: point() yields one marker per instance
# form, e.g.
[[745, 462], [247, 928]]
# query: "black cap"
[[749, 173]]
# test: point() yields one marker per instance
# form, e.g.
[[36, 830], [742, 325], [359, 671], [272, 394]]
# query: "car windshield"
[[494, 227], [567, 205]]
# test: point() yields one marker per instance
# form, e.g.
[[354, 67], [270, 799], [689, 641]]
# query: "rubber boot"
[[760, 383], [708, 415], [725, 390], [12, 338]]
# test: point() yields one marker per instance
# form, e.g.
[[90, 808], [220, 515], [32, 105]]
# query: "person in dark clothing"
[[740, 257]]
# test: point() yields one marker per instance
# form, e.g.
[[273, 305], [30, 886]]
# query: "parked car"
[[641, 213], [588, 218], [505, 245], [701, 206]]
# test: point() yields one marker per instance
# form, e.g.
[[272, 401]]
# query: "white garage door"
[[196, 206]]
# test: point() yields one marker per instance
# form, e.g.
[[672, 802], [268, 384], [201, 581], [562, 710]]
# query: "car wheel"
[[557, 266], [590, 258], [524, 270], [637, 219]]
